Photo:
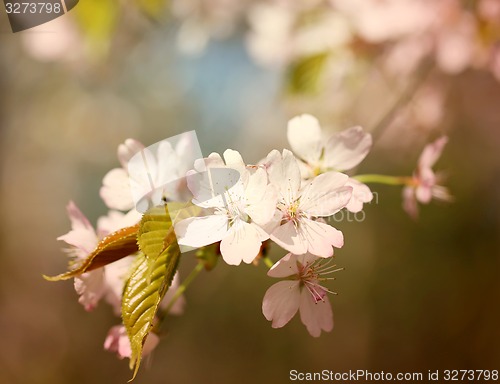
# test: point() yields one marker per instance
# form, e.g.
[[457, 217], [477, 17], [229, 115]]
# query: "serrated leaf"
[[151, 276], [113, 247], [304, 74]]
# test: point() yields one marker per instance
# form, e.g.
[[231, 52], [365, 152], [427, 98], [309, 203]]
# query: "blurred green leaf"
[[98, 20], [151, 276], [152, 8], [305, 73], [113, 247]]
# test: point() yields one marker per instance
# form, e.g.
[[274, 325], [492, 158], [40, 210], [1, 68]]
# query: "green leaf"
[[304, 74], [151, 276], [113, 247]]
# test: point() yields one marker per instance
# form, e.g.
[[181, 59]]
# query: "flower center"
[[313, 273]]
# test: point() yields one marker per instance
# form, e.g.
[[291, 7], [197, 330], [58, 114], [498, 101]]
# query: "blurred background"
[[414, 296]]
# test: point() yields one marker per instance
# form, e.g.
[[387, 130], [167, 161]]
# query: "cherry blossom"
[[340, 152], [425, 183], [156, 175], [105, 282], [240, 203], [300, 291], [115, 190], [322, 196]]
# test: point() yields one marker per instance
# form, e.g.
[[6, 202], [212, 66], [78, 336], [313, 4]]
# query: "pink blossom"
[[425, 183], [300, 291], [167, 164], [105, 282]]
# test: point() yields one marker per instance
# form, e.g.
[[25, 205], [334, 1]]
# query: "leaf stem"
[[384, 179]]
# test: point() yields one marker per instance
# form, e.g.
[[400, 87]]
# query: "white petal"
[[128, 149], [201, 231], [285, 174], [242, 243], [360, 194], [263, 212], [304, 136], [320, 237], [325, 194], [213, 187], [116, 190], [285, 267], [233, 159], [287, 237], [347, 149], [256, 186], [281, 302], [116, 220], [316, 317]]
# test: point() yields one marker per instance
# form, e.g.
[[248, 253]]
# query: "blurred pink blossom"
[[425, 183], [117, 341]]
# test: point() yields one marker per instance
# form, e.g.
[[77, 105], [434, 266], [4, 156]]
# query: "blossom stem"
[[384, 179], [421, 75], [269, 263], [182, 288]]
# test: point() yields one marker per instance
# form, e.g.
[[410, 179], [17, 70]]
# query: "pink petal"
[[116, 190], [201, 231], [346, 149], [287, 237], [360, 194], [118, 341], [281, 302], [91, 288], [326, 194], [285, 267], [304, 136], [431, 153], [410, 202], [82, 235], [320, 237], [316, 316], [242, 243]]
